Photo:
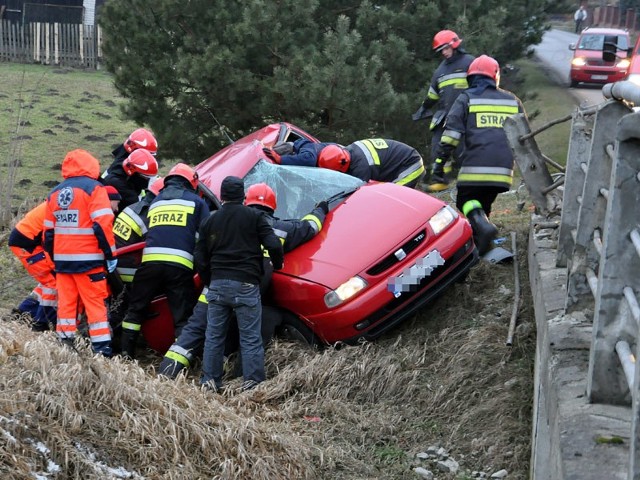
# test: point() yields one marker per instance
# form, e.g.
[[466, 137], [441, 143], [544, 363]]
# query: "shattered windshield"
[[299, 189]]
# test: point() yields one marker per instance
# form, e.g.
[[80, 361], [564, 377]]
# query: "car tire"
[[572, 83], [294, 329]]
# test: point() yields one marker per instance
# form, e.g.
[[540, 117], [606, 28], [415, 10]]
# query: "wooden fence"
[[70, 45]]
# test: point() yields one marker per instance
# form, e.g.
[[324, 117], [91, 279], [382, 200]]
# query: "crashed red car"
[[384, 251]]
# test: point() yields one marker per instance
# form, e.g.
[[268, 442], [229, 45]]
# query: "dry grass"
[[362, 412]]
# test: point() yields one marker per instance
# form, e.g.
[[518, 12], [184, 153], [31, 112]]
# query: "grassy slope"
[[46, 112], [444, 377]]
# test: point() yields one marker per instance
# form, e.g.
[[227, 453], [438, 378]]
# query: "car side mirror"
[[572, 46]]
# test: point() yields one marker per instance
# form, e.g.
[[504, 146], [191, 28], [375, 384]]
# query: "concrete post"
[[531, 163], [618, 268], [579, 148], [592, 207]]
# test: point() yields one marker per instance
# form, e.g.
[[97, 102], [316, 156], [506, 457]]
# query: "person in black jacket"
[[231, 239], [292, 233]]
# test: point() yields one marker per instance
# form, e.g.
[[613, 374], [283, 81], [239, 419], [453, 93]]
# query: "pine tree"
[[203, 71]]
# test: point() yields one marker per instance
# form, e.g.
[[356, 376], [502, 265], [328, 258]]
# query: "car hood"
[[369, 225]]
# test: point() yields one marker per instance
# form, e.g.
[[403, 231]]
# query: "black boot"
[[128, 342], [483, 230]]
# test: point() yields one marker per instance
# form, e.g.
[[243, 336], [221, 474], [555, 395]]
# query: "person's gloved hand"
[[283, 148], [111, 265], [324, 206], [272, 154]]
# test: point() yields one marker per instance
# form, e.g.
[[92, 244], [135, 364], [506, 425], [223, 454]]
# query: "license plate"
[[599, 77], [411, 277]]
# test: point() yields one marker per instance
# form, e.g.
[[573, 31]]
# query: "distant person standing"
[[580, 17]]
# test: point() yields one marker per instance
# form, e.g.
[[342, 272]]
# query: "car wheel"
[[294, 329], [573, 83]]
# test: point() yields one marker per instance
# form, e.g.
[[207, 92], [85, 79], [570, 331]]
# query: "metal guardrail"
[[599, 239]]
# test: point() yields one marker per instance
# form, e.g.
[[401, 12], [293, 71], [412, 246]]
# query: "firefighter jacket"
[[174, 217], [27, 234], [131, 227], [78, 221], [305, 153], [132, 223], [448, 81], [385, 161], [478, 114], [293, 233], [231, 241]]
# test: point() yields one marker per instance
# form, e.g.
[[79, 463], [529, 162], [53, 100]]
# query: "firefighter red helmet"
[[185, 171], [261, 194], [142, 162], [485, 65], [156, 184], [446, 38], [141, 138], [334, 157]]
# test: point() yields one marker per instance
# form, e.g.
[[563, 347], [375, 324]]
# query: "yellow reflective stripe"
[[177, 357], [469, 206], [163, 257], [449, 140], [475, 177], [315, 220], [126, 278], [173, 208], [131, 326], [127, 220], [459, 82], [493, 109], [412, 177], [373, 151]]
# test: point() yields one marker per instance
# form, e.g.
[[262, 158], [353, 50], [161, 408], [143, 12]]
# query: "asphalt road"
[[554, 52]]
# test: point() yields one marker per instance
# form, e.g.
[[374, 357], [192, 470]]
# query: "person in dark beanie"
[[229, 255]]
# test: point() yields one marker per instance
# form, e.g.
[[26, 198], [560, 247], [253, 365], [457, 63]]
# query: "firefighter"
[[447, 82], [130, 227], [232, 240], [25, 241], [378, 159], [167, 259], [132, 175], [476, 118], [139, 138], [78, 236], [292, 233]]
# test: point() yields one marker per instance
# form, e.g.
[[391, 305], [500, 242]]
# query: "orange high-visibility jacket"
[[27, 233], [79, 220]]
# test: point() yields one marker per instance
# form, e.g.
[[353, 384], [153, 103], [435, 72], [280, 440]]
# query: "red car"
[[385, 250], [588, 64]]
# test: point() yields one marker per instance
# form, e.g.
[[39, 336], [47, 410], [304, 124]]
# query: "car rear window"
[[592, 41]]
